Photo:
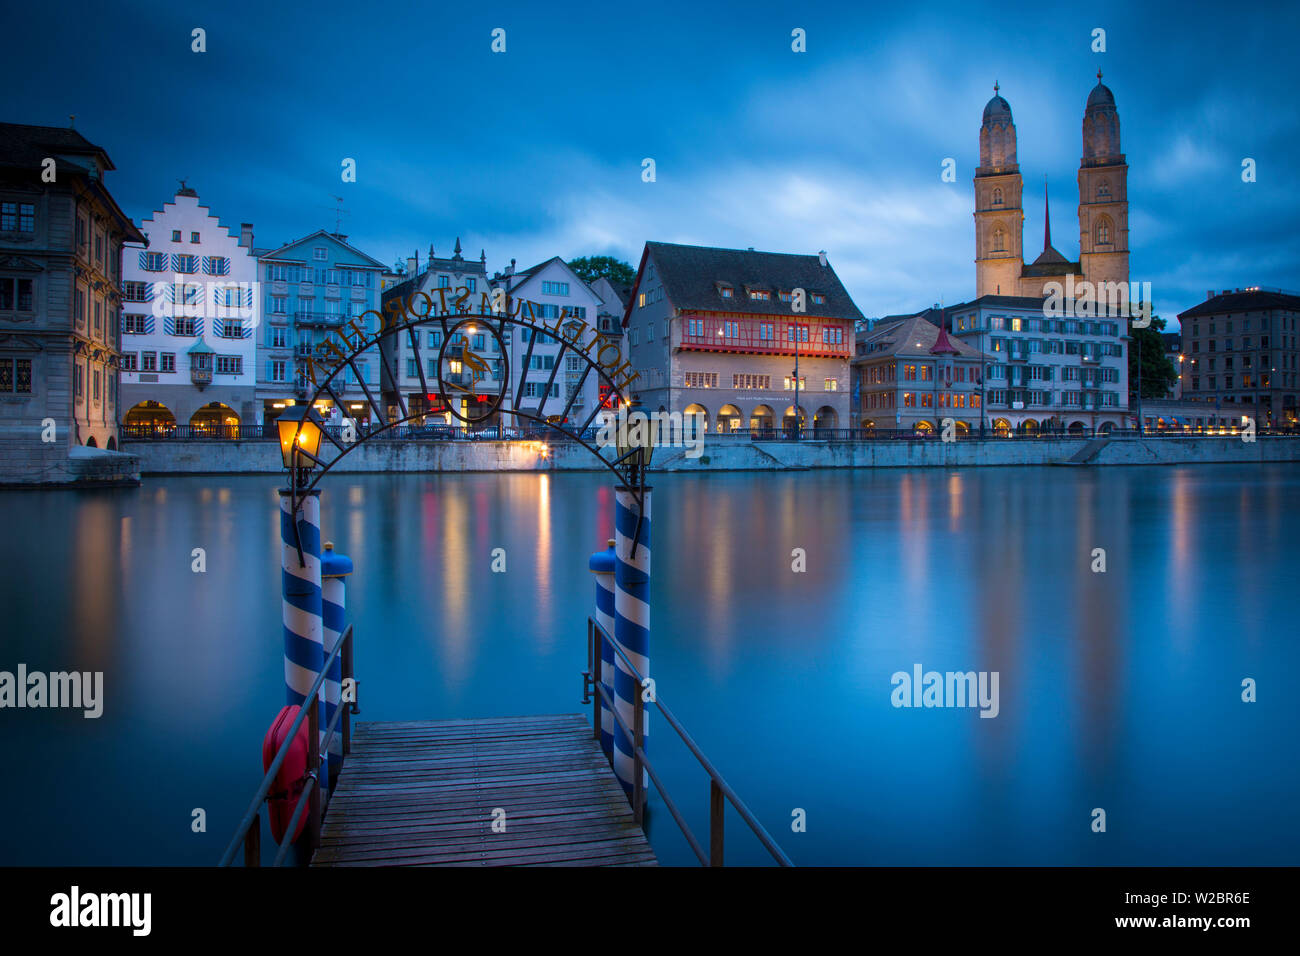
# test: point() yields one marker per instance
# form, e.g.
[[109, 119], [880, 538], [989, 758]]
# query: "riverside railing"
[[249, 831], [720, 792], [440, 432]]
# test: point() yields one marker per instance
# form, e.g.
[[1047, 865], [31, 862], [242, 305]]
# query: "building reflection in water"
[[96, 584], [455, 561], [545, 635], [1102, 521]]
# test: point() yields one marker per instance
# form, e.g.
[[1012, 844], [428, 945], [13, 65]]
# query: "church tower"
[[1103, 192], [999, 217]]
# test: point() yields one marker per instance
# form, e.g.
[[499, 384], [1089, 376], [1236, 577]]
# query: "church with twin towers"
[[1000, 265]]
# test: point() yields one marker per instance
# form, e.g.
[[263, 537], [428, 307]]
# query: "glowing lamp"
[[300, 430]]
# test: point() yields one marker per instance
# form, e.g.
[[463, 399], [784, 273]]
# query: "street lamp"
[[300, 429], [635, 456]]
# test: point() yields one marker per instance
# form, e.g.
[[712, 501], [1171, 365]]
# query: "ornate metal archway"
[[460, 373]]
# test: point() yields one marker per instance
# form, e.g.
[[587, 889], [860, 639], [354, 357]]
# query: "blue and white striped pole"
[[334, 568], [631, 619], [602, 567], [304, 634]]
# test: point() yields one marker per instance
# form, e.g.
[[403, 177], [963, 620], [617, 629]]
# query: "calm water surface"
[[1118, 690]]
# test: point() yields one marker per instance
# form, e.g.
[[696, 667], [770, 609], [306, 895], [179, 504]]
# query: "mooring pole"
[[334, 569], [304, 636], [631, 617], [602, 565]]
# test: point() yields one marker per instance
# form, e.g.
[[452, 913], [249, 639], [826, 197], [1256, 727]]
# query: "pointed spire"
[[431, 253], [1099, 76], [942, 344], [996, 87], [458, 247], [482, 256], [1047, 219]]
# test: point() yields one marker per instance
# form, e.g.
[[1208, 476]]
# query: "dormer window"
[[786, 296], [726, 291], [818, 298], [760, 295]]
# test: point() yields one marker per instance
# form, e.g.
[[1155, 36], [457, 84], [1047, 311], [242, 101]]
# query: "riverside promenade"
[[722, 453]]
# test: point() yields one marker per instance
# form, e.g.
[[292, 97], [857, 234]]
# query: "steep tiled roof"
[[692, 275], [913, 337], [27, 146]]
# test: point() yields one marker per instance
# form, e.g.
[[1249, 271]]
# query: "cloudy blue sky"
[[538, 151]]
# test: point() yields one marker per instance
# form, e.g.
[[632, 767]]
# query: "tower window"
[[1103, 190], [999, 239], [997, 197], [1103, 232]]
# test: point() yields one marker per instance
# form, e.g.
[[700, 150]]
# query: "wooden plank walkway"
[[423, 794]]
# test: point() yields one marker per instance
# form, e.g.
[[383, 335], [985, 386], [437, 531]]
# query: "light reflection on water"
[[1118, 690]]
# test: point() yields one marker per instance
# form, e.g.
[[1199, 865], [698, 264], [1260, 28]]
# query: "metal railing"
[[934, 434], [444, 432], [196, 432], [719, 790], [249, 831]]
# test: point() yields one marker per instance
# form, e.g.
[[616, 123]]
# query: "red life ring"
[[292, 775]]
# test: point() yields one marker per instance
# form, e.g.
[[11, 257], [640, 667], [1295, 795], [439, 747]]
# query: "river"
[[1118, 689]]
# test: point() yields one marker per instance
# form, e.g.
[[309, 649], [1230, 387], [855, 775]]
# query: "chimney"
[[246, 235], [1209, 294], [410, 265], [510, 269]]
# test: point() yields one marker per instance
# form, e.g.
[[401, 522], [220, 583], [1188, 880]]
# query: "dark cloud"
[[538, 151]]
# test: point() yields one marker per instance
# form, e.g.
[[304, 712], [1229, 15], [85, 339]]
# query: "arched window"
[[997, 197], [1103, 190], [1103, 232], [999, 239]]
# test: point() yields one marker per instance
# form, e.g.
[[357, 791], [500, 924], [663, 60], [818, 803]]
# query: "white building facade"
[[190, 315], [1046, 371], [553, 291]]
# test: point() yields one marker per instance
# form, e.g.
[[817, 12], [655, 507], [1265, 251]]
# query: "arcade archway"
[[150, 415], [214, 418]]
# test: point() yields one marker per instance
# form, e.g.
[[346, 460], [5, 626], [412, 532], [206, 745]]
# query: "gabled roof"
[[914, 337], [186, 193], [1244, 300], [618, 295], [322, 234], [540, 266], [693, 275], [524, 276]]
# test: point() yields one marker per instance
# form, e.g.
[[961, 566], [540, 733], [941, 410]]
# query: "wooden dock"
[[425, 793]]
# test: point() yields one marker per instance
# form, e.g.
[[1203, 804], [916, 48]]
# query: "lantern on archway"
[[300, 429], [635, 443]]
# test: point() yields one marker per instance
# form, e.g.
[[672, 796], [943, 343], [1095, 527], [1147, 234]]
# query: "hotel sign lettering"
[[460, 367]]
